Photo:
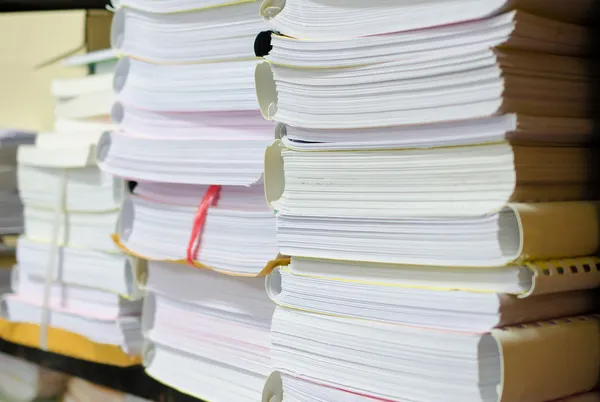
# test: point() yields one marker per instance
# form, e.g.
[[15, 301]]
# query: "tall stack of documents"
[[191, 142], [432, 184], [70, 274], [68, 263]]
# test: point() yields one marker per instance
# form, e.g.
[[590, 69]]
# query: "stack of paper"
[[294, 385], [79, 390], [22, 381], [187, 109], [432, 183], [83, 104], [99, 62], [238, 236], [70, 275], [191, 142], [208, 334]]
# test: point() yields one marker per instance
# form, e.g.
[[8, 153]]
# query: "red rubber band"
[[210, 199]]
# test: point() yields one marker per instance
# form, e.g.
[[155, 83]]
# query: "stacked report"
[[187, 110], [71, 279], [70, 274], [237, 238], [22, 381], [190, 141], [190, 135], [433, 187]]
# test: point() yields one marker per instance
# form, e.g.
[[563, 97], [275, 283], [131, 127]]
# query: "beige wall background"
[[32, 44]]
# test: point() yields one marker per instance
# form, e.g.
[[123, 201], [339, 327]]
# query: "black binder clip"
[[262, 44], [131, 185]]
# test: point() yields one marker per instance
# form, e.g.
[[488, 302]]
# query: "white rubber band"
[[59, 216]]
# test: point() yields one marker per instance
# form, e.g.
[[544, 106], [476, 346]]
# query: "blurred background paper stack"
[[99, 62], [22, 381], [83, 104], [433, 184], [191, 141], [73, 291], [68, 263]]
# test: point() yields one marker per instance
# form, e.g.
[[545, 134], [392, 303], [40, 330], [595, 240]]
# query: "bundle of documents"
[[190, 140], [208, 334], [79, 390], [431, 365], [194, 148], [84, 104], [277, 383], [421, 296], [314, 19], [491, 78], [70, 274], [428, 182], [84, 97], [238, 236], [22, 381], [432, 181], [186, 31], [518, 232], [187, 109], [200, 121]]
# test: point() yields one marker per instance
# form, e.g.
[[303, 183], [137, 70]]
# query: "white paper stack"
[[208, 334], [98, 315], [70, 273], [238, 236], [191, 142], [83, 104], [187, 109], [84, 97], [99, 61], [432, 183], [22, 381]]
